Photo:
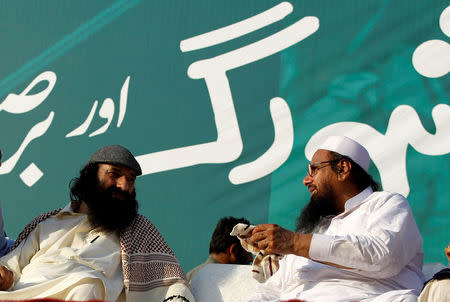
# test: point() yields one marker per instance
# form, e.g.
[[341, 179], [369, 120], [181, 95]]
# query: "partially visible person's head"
[[338, 164], [223, 243], [106, 185], [447, 252], [1, 157]]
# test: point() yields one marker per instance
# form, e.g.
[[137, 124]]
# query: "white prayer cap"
[[347, 147]]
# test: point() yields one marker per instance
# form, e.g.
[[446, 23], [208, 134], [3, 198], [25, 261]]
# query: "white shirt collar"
[[357, 199], [67, 210]]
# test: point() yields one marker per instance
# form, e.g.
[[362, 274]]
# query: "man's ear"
[[233, 249], [229, 255], [344, 167]]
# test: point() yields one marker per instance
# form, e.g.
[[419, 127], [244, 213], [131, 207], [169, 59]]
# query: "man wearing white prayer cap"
[[352, 241]]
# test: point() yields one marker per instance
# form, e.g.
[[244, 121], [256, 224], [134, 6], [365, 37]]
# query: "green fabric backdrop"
[[356, 67]]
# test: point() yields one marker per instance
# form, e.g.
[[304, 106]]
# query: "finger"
[[257, 237], [264, 227], [258, 228], [4, 272], [9, 274], [253, 240], [9, 278], [262, 245]]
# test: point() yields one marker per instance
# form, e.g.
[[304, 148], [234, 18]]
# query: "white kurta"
[[376, 235], [64, 258], [436, 291]]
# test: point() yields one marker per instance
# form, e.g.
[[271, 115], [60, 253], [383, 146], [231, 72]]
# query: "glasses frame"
[[312, 167]]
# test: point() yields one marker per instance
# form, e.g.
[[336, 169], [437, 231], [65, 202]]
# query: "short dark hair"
[[221, 238], [358, 175]]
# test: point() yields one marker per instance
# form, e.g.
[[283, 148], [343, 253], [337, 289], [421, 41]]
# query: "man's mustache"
[[117, 193]]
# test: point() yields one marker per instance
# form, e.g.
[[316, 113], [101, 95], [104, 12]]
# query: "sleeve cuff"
[[320, 247]]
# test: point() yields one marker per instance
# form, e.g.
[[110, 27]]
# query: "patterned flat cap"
[[116, 154]]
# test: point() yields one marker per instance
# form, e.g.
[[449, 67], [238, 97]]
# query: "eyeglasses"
[[312, 168]]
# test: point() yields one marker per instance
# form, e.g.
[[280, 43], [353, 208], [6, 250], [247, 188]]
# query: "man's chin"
[[113, 212], [313, 191]]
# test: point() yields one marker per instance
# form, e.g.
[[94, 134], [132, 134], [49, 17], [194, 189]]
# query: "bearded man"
[[98, 246], [354, 243]]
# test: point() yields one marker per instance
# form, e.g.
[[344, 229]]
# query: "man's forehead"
[[117, 167], [321, 155]]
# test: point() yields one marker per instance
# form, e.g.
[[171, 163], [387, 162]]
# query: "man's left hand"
[[273, 239]]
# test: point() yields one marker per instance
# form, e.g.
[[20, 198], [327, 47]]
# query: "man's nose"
[[307, 180], [122, 183]]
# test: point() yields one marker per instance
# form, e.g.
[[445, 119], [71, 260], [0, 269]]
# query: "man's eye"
[[113, 174]]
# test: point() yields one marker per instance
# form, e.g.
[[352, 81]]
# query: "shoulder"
[[386, 194], [387, 203], [32, 225], [142, 225], [386, 197], [190, 275], [142, 219], [143, 236]]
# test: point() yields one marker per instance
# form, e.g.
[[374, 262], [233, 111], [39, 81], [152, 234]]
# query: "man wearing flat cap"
[[353, 242], [96, 247]]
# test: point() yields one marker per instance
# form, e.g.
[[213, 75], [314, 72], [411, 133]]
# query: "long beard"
[[316, 215], [111, 209]]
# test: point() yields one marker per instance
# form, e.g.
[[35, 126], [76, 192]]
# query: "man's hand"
[[6, 278], [273, 239]]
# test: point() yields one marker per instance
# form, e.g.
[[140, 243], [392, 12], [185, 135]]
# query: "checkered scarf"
[[147, 260]]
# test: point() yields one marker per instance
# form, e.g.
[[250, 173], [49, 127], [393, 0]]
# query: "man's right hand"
[[273, 239], [6, 278]]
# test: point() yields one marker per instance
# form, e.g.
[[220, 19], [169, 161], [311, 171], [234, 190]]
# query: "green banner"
[[222, 102]]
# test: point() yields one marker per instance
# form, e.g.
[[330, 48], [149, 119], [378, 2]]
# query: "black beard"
[[314, 213], [111, 209]]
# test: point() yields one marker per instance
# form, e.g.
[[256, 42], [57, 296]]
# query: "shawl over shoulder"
[[150, 270]]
